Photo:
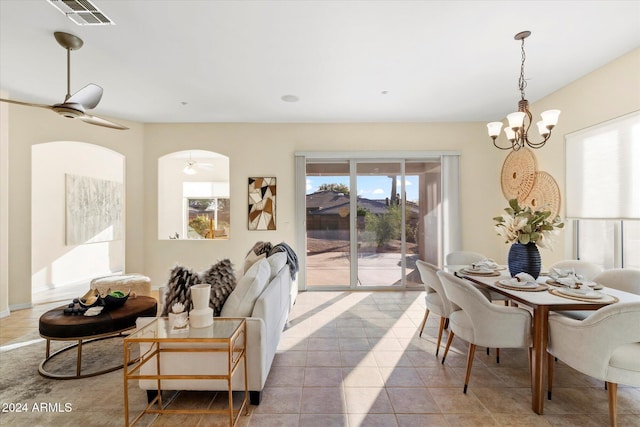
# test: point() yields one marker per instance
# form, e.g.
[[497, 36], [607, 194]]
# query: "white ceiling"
[[232, 61]]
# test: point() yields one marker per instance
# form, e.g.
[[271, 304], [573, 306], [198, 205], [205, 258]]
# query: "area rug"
[[29, 399]]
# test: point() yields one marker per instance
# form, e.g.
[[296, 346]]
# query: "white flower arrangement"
[[523, 225]]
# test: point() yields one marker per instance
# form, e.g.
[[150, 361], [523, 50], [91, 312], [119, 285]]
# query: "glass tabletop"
[[222, 328]]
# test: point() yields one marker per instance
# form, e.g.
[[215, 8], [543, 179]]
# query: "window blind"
[[603, 170]]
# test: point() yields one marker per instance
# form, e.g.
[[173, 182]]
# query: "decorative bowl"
[[115, 299], [90, 299]]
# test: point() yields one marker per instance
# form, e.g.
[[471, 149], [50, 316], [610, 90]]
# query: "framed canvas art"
[[94, 210], [262, 203]]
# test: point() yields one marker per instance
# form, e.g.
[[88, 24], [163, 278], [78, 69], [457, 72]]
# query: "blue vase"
[[524, 258]]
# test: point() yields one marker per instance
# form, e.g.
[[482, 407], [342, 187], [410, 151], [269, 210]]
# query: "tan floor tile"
[[475, 420], [322, 377], [364, 400], [280, 400], [357, 358], [581, 420], [274, 420], [372, 420], [323, 344], [285, 376], [323, 400], [521, 420], [323, 420], [454, 401], [412, 401], [392, 358], [353, 344], [401, 377], [362, 376], [421, 420], [323, 358]]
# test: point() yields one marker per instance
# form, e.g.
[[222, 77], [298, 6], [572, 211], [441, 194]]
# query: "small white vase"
[[200, 296]]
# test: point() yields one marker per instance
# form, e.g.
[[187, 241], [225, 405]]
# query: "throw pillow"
[[241, 301], [222, 280], [276, 262], [251, 259], [180, 280]]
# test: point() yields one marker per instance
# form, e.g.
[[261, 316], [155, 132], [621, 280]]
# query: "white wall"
[[267, 150], [4, 208], [30, 126], [53, 262]]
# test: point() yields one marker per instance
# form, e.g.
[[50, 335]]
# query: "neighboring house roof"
[[334, 203]]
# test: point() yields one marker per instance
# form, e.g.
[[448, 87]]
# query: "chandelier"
[[517, 131]]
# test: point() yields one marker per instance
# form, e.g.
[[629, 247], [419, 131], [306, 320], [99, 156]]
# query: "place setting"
[[569, 279], [485, 267], [522, 282]]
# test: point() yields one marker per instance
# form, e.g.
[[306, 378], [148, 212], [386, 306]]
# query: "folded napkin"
[[559, 272], [485, 263], [567, 281], [582, 289], [525, 278]]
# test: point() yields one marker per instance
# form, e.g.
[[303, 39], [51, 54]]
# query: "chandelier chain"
[[522, 83]]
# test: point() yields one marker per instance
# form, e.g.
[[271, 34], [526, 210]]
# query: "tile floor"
[[355, 359]]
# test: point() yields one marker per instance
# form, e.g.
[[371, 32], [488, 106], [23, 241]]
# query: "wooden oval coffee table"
[[55, 325]]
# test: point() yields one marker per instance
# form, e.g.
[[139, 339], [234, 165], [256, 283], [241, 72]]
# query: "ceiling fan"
[[76, 105]]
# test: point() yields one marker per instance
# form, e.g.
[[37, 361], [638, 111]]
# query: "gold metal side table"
[[227, 335]]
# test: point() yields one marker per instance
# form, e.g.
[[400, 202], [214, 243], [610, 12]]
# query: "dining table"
[[545, 299]]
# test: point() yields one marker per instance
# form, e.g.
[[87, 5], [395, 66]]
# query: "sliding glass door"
[[367, 221]]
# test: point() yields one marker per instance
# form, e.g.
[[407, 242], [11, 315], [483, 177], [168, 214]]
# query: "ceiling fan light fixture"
[[190, 167]]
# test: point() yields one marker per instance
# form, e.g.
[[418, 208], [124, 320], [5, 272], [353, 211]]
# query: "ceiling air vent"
[[82, 12]]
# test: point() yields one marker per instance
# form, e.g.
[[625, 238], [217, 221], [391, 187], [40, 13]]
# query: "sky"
[[369, 187]]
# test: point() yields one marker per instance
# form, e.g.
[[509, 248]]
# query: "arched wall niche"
[[193, 196], [77, 215]]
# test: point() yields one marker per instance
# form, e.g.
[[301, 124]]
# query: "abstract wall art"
[[262, 203], [94, 210]]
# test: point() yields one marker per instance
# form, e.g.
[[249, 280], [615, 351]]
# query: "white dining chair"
[[436, 300], [468, 258], [605, 345], [463, 257], [624, 279], [479, 322], [588, 270]]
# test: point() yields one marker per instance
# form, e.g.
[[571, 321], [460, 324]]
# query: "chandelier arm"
[[539, 144], [511, 147]]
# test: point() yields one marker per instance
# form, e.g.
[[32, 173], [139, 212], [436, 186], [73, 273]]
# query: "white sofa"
[[266, 319]]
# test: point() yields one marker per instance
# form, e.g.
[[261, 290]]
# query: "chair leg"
[[472, 350], [424, 321], [442, 322], [549, 374], [487, 351], [497, 355], [446, 349], [446, 324], [613, 403]]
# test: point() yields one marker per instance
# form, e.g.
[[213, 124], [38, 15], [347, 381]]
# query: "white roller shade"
[[603, 170], [205, 190]]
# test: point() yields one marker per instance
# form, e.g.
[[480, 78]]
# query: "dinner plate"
[[514, 284], [573, 293], [472, 271]]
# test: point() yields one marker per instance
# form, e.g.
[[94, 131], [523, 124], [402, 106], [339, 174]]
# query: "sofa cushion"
[[276, 262], [180, 280], [241, 301], [222, 280]]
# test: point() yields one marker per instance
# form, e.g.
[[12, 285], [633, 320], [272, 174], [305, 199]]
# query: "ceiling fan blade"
[[28, 104], [89, 96], [94, 120]]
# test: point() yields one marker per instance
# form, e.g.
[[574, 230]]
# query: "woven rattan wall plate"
[[545, 194], [518, 174]]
